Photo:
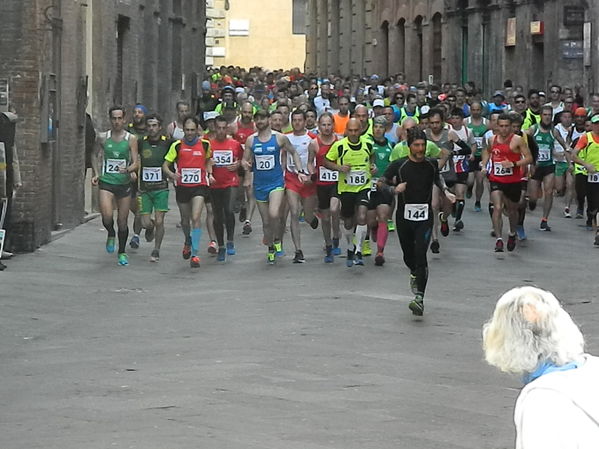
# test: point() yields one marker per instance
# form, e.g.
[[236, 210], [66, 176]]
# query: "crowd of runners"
[[358, 157]]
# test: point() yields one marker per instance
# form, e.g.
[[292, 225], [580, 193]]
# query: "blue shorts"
[[261, 193]]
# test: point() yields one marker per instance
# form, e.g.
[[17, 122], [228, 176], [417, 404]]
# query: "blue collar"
[[546, 368], [192, 142]]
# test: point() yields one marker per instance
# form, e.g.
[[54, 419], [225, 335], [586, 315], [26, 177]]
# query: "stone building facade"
[[532, 42], [61, 58]]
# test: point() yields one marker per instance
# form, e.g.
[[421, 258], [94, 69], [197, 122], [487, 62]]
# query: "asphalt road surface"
[[250, 356]]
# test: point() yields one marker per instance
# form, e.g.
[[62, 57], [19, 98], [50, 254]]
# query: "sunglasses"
[[520, 101], [555, 92]]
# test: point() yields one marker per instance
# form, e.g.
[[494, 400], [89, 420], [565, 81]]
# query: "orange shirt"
[[340, 124]]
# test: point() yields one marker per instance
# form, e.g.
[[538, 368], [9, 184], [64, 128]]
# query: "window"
[[239, 27], [300, 12]]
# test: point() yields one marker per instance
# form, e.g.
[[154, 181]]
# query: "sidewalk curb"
[[61, 233]]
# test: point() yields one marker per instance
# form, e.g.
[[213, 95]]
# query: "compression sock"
[[196, 233]]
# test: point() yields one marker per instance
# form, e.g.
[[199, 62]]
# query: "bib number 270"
[[191, 175]]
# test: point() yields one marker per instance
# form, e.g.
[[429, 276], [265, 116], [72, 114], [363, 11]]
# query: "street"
[[250, 356]]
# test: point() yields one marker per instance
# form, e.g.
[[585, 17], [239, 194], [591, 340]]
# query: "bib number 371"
[[416, 212]]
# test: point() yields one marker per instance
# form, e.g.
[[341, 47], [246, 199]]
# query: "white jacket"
[[560, 410]]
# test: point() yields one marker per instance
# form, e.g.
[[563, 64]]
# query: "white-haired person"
[[532, 335]]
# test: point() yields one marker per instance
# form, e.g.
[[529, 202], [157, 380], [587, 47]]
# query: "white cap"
[[378, 102], [239, 90]]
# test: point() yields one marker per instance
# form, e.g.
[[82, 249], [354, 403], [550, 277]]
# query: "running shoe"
[[435, 246], [520, 232], [242, 214], [477, 207], [390, 225], [544, 226], [247, 228], [579, 213], [349, 262], [155, 256], [329, 258], [302, 218], [336, 249], [186, 253], [358, 259], [110, 245], [194, 262], [299, 257], [314, 223], [413, 284], [379, 260], [150, 233], [366, 250], [499, 246], [444, 224], [596, 243], [123, 259], [458, 226], [231, 249], [270, 256], [511, 242], [134, 243], [212, 248], [567, 213], [279, 249], [417, 305], [220, 257]]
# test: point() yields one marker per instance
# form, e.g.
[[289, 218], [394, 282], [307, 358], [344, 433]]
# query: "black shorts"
[[475, 164], [118, 190], [511, 190], [351, 200], [185, 194], [324, 194], [379, 197], [541, 172]]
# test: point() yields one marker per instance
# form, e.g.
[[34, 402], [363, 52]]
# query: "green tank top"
[[382, 152], [116, 155], [545, 142], [479, 132], [151, 156]]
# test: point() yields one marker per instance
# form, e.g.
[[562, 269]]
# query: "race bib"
[[191, 175], [222, 158], [326, 175], [356, 178], [499, 170], [544, 154], [479, 142], [113, 166], [416, 212], [593, 177], [151, 174], [373, 187], [265, 162]]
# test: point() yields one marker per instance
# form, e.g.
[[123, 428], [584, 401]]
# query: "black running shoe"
[[435, 246], [511, 242], [314, 223], [299, 257], [417, 305], [499, 246], [444, 224]]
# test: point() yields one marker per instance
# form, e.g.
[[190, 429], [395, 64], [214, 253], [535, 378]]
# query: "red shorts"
[[293, 183]]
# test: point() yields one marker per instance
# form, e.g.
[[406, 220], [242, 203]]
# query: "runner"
[[478, 125], [381, 200], [564, 181], [263, 155], [153, 187], [586, 153], [226, 157], [342, 117], [175, 129], [326, 186], [545, 136], [301, 195], [532, 115], [580, 173], [117, 149], [137, 127], [413, 178], [507, 154], [193, 174], [245, 128], [352, 157], [463, 147], [392, 129]]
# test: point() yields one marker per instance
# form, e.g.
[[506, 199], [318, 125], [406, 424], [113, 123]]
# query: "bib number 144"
[[416, 212]]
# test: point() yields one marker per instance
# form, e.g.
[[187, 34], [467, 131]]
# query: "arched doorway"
[[383, 53], [418, 48], [400, 50], [437, 50]]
